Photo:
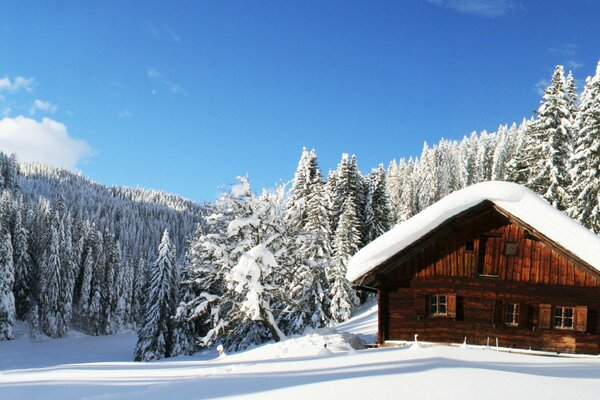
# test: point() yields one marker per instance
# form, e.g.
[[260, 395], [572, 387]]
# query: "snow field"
[[85, 367]]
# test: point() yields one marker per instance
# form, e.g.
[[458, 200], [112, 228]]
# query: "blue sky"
[[183, 96]]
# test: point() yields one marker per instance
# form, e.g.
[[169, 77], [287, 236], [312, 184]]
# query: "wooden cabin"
[[490, 262]]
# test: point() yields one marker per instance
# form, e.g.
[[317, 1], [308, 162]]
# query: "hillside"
[[135, 216]]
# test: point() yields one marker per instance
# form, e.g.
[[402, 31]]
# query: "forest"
[[253, 267]]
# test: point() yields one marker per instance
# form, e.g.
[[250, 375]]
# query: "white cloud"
[[572, 64], [125, 114], [19, 82], [162, 32], [565, 49], [45, 141], [40, 105], [483, 8], [540, 86], [156, 76]]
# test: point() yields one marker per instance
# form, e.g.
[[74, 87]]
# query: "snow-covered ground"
[[83, 367]]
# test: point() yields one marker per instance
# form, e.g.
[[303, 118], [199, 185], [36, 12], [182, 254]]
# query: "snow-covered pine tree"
[[86, 285], [251, 278], [68, 271], [309, 250], [50, 288], [378, 213], [449, 177], [342, 296], [7, 279], [139, 297], [485, 154], [468, 157], [206, 305], [572, 101], [111, 285], [408, 206], [550, 175], [22, 264], [393, 182], [254, 233], [518, 168], [585, 187], [155, 333], [428, 169]]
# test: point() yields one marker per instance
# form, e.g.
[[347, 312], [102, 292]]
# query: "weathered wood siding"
[[540, 272]]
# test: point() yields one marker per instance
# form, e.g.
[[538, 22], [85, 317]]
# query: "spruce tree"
[[155, 333], [378, 213], [343, 298], [50, 288], [7, 279], [585, 187], [23, 269], [550, 175]]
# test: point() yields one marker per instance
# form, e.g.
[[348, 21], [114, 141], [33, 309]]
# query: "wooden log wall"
[[534, 261], [476, 314]]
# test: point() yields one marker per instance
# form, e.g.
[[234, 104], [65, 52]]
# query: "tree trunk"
[[269, 322]]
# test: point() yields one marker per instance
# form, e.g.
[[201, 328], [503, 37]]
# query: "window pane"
[[568, 318], [512, 314], [433, 305], [442, 308], [568, 312]]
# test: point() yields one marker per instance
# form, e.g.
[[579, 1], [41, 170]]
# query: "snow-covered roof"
[[517, 200]]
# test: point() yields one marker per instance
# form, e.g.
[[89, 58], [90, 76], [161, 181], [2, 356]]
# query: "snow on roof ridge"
[[511, 197]]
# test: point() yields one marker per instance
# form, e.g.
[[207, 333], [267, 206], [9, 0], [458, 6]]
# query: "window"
[[470, 245], [510, 249], [563, 317], [511, 315], [438, 304]]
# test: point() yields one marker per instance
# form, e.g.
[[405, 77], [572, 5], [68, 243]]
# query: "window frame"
[[515, 314], [470, 246], [435, 305], [562, 318]]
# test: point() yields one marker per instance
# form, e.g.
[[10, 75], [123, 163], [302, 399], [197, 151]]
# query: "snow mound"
[[515, 199], [363, 323]]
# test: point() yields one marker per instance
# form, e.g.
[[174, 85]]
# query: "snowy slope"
[[300, 368], [516, 199]]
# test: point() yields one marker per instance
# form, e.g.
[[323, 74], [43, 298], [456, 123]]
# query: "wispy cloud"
[[162, 32], [565, 49], [125, 114], [482, 8], [117, 84], [18, 83], [572, 64], [45, 141], [41, 105], [161, 79], [540, 86]]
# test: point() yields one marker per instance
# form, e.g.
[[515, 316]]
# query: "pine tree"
[[408, 206], [585, 187], [343, 298], [7, 279], [139, 298], [50, 288], [378, 213], [550, 176], [22, 263], [155, 334]]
